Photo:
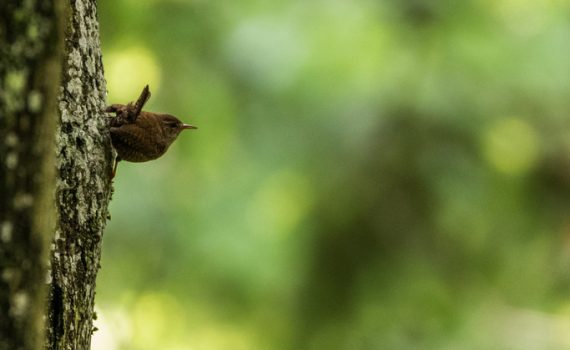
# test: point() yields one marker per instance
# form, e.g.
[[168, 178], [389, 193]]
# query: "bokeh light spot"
[[523, 17], [103, 338], [214, 336], [113, 329], [511, 146], [128, 70], [280, 204], [267, 52], [156, 316]]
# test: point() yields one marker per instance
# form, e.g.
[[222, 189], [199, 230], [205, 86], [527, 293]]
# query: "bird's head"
[[172, 126]]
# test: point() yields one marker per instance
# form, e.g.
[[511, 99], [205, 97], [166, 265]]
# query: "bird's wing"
[[129, 113]]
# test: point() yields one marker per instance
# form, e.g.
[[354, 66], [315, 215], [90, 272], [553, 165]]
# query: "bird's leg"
[[117, 160]]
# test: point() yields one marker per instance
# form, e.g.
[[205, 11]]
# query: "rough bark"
[[33, 59], [84, 186], [30, 60], [30, 70]]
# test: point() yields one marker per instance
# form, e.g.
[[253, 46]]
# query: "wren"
[[140, 136]]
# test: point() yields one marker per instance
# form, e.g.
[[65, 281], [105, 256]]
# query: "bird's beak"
[[188, 126]]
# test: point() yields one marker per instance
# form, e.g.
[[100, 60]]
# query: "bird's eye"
[[171, 124]]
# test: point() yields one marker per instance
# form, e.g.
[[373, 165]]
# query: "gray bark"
[[30, 69], [84, 161], [30, 61], [41, 79]]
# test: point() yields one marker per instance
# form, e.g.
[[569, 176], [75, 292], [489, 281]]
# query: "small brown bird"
[[140, 136]]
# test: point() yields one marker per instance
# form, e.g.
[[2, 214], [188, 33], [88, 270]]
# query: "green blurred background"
[[366, 175]]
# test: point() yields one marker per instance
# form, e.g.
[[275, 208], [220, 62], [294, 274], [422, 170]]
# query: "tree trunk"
[[84, 161], [30, 62], [36, 67]]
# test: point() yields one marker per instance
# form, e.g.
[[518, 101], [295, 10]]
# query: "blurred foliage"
[[366, 175]]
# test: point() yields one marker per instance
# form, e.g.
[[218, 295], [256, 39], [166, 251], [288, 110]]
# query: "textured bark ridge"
[[30, 60], [84, 159]]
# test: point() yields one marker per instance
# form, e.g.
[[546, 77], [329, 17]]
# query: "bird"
[[140, 136]]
